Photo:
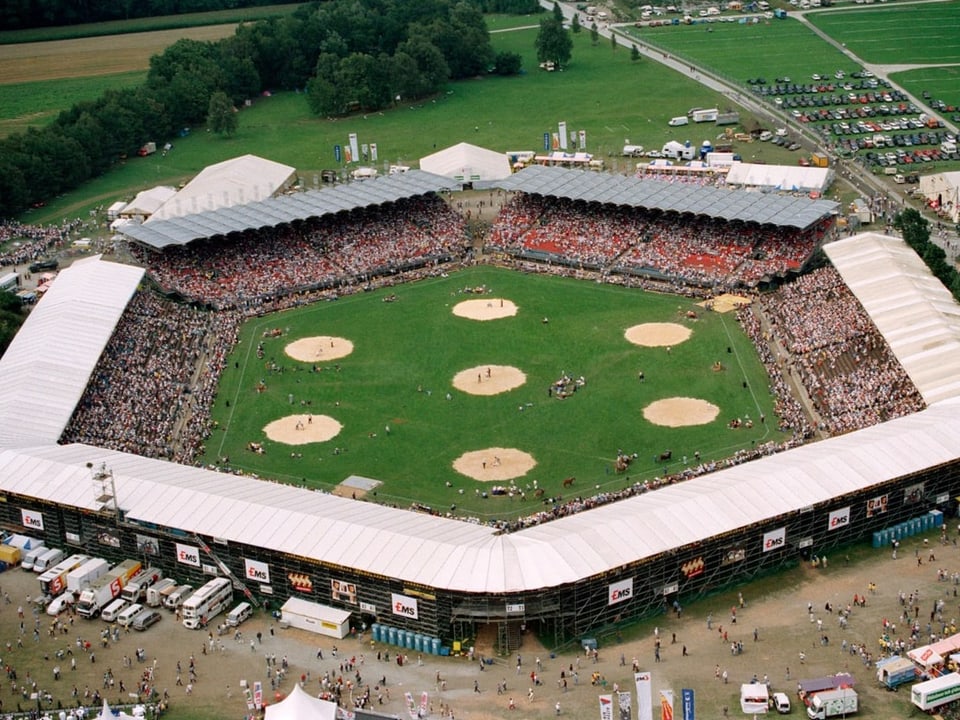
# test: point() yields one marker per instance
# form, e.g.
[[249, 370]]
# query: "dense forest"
[[350, 55]]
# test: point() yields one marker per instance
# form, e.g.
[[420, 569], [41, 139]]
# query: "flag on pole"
[[562, 132], [689, 704]]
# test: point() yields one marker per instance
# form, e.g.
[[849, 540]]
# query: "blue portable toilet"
[[435, 646], [917, 527], [937, 517], [392, 635], [408, 640], [876, 539], [375, 631]]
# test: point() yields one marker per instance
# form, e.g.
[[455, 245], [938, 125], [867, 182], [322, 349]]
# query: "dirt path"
[[775, 606]]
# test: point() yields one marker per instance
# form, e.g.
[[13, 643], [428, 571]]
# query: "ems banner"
[[606, 707], [624, 700], [644, 697], [689, 707], [666, 705]]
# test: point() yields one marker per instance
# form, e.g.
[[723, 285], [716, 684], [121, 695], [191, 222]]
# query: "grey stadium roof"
[[272, 212], [723, 203]]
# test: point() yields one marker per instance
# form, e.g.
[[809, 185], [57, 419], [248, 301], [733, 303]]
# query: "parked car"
[[145, 619]]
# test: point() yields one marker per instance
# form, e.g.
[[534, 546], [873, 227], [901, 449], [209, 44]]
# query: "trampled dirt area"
[[776, 607], [83, 57]]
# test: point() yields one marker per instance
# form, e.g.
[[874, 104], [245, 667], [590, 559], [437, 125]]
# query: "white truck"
[[79, 579], [103, 590], [934, 693], [155, 592], [136, 589], [832, 704]]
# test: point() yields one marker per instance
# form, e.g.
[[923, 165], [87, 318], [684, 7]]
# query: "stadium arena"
[[95, 459]]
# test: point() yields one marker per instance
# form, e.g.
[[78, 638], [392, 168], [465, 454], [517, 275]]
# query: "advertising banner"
[[562, 132], [775, 539], [618, 592], [689, 704], [31, 519], [188, 555], [644, 696], [256, 571], [404, 605], [666, 705], [606, 707], [839, 518]]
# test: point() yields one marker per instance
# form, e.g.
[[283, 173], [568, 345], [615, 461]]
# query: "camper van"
[[113, 610], [127, 615], [48, 560], [240, 613], [30, 559], [678, 121], [176, 597]]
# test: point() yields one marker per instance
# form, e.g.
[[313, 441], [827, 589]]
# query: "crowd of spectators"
[[702, 251], [25, 243], [845, 365], [345, 249], [154, 384]]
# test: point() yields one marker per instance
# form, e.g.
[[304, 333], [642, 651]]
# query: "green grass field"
[[24, 105], [943, 83], [769, 49], [916, 33], [418, 342]]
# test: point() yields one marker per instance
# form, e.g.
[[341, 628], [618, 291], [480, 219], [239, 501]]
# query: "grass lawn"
[[32, 104], [768, 49], [416, 341], [916, 33], [943, 83]]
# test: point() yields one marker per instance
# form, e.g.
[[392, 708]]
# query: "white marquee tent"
[[298, 705], [467, 163], [944, 189], [780, 177]]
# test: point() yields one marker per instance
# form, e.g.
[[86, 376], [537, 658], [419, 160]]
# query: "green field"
[[916, 33], [24, 105], [417, 343], [943, 83], [768, 49]]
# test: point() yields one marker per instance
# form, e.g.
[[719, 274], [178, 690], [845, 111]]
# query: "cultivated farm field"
[[406, 354]]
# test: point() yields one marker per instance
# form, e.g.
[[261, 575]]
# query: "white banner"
[[404, 605], [256, 571], [188, 555], [839, 518], [644, 696], [775, 539], [666, 705], [606, 707], [582, 134], [618, 592], [373, 152], [624, 700], [562, 131], [31, 519], [354, 149]]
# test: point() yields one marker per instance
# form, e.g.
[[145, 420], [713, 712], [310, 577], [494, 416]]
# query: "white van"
[[127, 615], [30, 559], [240, 613], [113, 610], [176, 598], [47, 560], [678, 121]]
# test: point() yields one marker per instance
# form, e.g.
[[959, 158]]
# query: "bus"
[[206, 603]]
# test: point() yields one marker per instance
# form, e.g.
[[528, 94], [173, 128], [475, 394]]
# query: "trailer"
[[104, 589], [79, 579], [321, 619], [832, 704], [136, 589], [895, 671], [709, 115], [54, 581], [934, 693]]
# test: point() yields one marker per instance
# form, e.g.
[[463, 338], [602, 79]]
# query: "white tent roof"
[[298, 705], [468, 163], [946, 188], [148, 202], [47, 366], [912, 309], [780, 177], [238, 181]]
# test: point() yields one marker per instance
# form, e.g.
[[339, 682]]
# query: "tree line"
[[349, 55]]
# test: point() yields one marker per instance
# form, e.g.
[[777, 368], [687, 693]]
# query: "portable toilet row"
[[908, 528], [406, 639]]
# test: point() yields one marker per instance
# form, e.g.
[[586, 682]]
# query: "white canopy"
[[467, 163], [792, 178], [298, 705]]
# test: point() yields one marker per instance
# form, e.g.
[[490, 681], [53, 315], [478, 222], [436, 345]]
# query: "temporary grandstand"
[[442, 577], [286, 209]]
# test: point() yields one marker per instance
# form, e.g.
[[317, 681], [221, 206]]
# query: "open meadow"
[[401, 371]]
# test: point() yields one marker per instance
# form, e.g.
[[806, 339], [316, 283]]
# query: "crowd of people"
[[613, 239], [154, 385], [25, 243], [844, 364], [259, 267]]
